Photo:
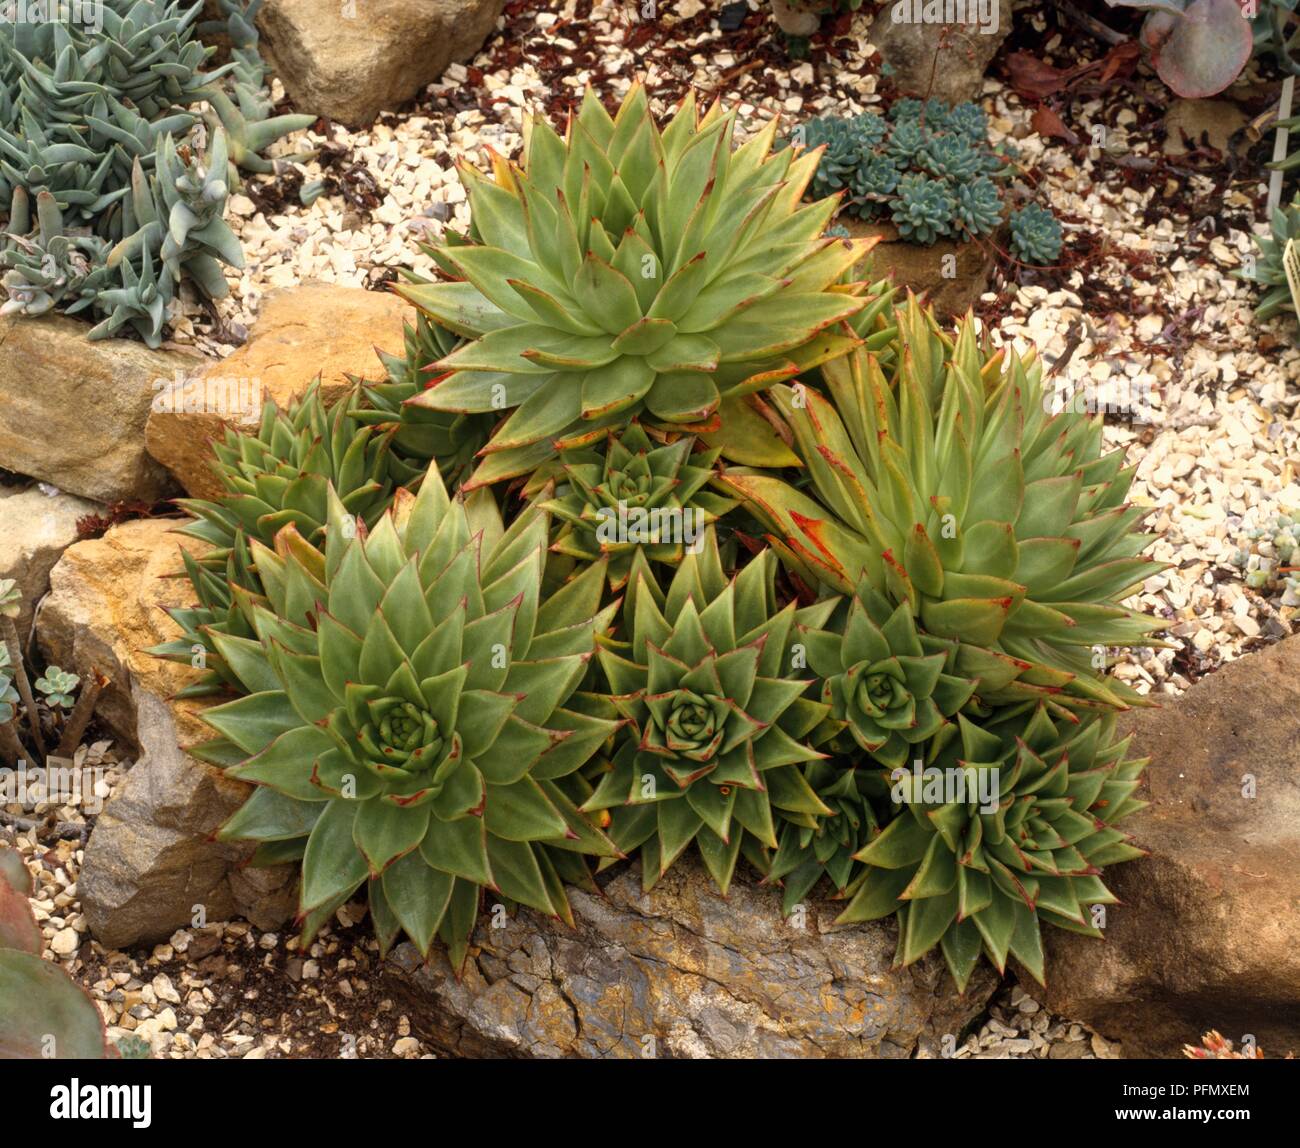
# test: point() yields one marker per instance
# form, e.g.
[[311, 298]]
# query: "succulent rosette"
[[283, 474], [718, 723], [412, 713], [419, 435], [976, 867], [623, 269], [887, 686], [812, 845], [635, 496], [949, 483]]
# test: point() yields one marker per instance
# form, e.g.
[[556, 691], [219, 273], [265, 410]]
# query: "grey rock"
[[942, 61], [351, 61], [72, 412], [35, 529], [1205, 933], [794, 18], [682, 972], [150, 862]]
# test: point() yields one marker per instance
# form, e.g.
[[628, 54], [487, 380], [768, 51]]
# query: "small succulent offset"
[[1267, 561], [1008, 825], [634, 496], [57, 687], [811, 844], [1036, 235], [625, 270], [718, 724], [409, 726], [48, 267]]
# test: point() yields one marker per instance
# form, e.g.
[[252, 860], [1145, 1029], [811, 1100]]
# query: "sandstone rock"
[[105, 608], [699, 975], [953, 275], [35, 529], [352, 60], [1214, 120], [943, 61], [149, 863], [72, 412], [314, 329], [1205, 935]]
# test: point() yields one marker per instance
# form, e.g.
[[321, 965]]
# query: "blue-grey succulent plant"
[[906, 142], [940, 155], [935, 113], [47, 267], [99, 117], [1036, 235], [923, 210], [950, 157], [874, 181], [57, 687], [968, 119], [978, 206]]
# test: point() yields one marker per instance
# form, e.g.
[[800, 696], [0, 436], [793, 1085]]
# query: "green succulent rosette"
[[946, 480], [634, 497], [975, 867], [281, 475], [887, 686], [624, 270], [418, 435], [718, 723], [412, 713], [812, 845]]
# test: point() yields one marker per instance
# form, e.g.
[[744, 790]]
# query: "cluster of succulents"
[[708, 545], [99, 129], [926, 167], [1268, 560]]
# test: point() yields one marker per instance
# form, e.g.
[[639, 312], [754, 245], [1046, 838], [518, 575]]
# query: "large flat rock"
[[72, 412], [682, 972], [1208, 932]]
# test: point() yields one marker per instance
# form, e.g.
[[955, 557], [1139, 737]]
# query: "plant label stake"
[[1279, 152]]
